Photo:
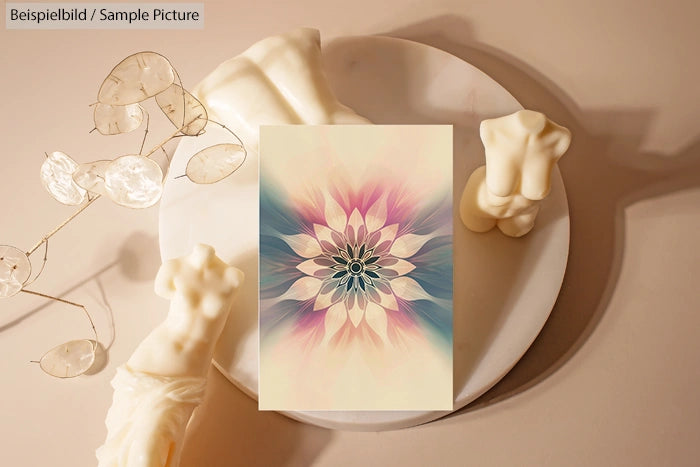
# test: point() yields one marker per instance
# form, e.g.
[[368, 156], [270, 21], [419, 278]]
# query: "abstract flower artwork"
[[356, 267]]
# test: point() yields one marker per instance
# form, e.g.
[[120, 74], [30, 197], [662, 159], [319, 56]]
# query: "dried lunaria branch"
[[131, 180], [136, 78]]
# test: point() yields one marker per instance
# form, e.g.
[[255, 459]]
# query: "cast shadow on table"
[[138, 260], [229, 430], [134, 260], [604, 171]]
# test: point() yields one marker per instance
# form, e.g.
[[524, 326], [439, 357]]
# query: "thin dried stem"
[[61, 225], [229, 130], [145, 134], [165, 153], [184, 104], [172, 135], [67, 302], [43, 264], [233, 133]]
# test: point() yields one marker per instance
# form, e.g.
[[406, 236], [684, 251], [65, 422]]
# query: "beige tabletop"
[[611, 380]]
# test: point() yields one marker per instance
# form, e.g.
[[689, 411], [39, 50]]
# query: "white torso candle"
[[157, 389], [521, 151]]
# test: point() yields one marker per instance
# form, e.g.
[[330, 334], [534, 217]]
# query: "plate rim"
[[419, 417]]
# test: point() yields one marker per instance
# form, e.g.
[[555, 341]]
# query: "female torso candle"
[[521, 151]]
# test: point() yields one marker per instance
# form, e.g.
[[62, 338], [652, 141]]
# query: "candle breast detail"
[[521, 151], [161, 384]]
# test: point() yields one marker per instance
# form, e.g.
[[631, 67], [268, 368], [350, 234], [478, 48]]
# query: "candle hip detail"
[[161, 384], [521, 151]]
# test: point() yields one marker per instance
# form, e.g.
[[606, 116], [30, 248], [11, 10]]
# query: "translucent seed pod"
[[91, 176], [70, 359], [182, 108], [117, 119], [15, 270], [215, 163], [134, 181], [136, 78], [57, 177]]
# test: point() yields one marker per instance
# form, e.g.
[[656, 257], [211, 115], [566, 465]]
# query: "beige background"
[[612, 379]]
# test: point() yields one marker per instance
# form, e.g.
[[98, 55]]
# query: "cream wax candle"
[[521, 151]]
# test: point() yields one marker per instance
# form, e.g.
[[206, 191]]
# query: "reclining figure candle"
[[277, 81], [521, 151], [156, 391]]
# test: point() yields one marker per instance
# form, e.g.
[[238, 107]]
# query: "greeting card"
[[356, 267]]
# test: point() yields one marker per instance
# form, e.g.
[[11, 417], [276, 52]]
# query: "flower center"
[[355, 267]]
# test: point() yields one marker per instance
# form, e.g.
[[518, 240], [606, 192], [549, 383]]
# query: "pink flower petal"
[[388, 233], [335, 214], [304, 245], [324, 273], [303, 289], [328, 247], [328, 287], [338, 239], [382, 248], [387, 272], [326, 299], [401, 267], [361, 234], [387, 300], [362, 301], [356, 313], [376, 317], [334, 320], [352, 231], [382, 240], [383, 286], [408, 245], [350, 300], [408, 289], [376, 215], [310, 267], [323, 234], [372, 239], [374, 295], [338, 294]]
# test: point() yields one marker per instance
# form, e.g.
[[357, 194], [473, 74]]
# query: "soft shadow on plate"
[[241, 329], [605, 151]]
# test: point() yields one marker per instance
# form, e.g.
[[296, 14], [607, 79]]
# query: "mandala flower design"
[[356, 263], [354, 268]]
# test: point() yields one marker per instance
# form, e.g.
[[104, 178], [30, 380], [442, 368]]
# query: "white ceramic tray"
[[504, 288]]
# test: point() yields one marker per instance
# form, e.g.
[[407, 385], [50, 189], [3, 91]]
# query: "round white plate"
[[504, 288]]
